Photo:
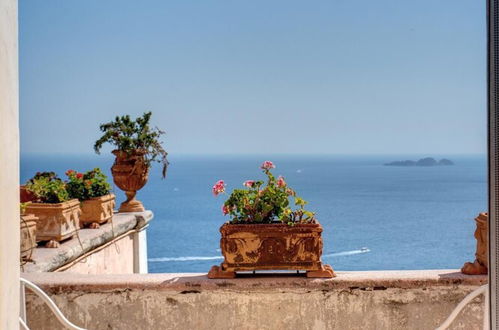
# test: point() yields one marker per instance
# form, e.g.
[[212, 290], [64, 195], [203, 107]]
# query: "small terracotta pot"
[[97, 210], [130, 174], [26, 195], [271, 247], [28, 235], [56, 222], [481, 263]]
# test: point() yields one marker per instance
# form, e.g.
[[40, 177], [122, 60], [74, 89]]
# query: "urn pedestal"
[[271, 247], [56, 222], [130, 174], [98, 210], [481, 263]]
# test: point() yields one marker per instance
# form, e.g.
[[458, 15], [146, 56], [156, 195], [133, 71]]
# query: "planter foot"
[[326, 271], [94, 225], [474, 268], [217, 272], [52, 244]]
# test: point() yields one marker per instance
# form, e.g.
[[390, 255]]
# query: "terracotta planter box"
[[98, 210], [56, 222], [271, 247], [28, 235]]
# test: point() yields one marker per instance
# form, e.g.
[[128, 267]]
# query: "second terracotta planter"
[[248, 247], [98, 210]]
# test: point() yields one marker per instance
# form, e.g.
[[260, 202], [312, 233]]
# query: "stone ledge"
[[195, 282], [48, 259]]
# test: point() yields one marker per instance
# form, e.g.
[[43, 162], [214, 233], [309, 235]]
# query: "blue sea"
[[375, 217]]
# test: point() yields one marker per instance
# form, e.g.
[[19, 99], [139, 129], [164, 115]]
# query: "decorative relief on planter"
[[28, 235], [481, 263], [56, 222], [271, 247], [98, 210], [130, 174]]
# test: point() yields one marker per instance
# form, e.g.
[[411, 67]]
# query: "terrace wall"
[[353, 300]]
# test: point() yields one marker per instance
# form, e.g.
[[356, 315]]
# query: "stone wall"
[[114, 248], [115, 258], [353, 300]]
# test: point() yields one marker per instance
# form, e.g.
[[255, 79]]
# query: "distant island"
[[422, 162]]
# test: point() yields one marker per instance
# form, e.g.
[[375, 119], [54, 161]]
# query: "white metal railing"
[[484, 289], [46, 299]]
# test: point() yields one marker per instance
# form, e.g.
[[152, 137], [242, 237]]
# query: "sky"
[[257, 77]]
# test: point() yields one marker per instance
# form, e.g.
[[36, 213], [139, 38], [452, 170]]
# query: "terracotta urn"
[[98, 210], [28, 235], [250, 247], [481, 263], [130, 174], [56, 222]]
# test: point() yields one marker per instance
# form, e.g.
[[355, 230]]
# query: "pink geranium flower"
[[218, 188], [280, 182], [249, 183], [267, 165], [225, 209]]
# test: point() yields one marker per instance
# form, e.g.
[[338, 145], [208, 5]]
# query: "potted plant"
[[58, 215], [137, 147], [28, 232], [94, 193], [265, 233]]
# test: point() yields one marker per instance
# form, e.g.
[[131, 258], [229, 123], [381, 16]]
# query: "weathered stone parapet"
[[123, 225], [353, 300]]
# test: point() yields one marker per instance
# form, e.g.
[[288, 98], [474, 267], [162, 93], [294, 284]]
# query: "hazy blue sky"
[[344, 76]]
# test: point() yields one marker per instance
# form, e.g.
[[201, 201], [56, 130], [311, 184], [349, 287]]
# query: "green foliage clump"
[[129, 135], [47, 188], [87, 185], [261, 203]]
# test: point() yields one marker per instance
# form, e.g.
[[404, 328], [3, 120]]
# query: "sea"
[[375, 217]]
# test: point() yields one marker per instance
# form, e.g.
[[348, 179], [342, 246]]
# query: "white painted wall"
[[9, 166]]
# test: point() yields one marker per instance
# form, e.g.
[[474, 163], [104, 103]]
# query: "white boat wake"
[[347, 253], [337, 254], [183, 259]]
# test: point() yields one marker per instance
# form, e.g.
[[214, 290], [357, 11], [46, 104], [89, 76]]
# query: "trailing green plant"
[[129, 135], [22, 207], [87, 185], [264, 203], [47, 188]]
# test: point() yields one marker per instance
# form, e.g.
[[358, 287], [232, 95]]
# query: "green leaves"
[[266, 204], [129, 135], [48, 188], [87, 185]]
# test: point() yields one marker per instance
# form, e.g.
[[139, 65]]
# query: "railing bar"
[[481, 290], [22, 300], [23, 324], [57, 312]]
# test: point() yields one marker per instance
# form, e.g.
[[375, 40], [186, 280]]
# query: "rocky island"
[[428, 161]]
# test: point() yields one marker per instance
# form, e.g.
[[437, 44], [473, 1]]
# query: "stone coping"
[[50, 259], [197, 282]]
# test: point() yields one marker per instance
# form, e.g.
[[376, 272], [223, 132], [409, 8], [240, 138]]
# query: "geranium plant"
[[47, 188], [90, 184], [264, 202], [129, 135]]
